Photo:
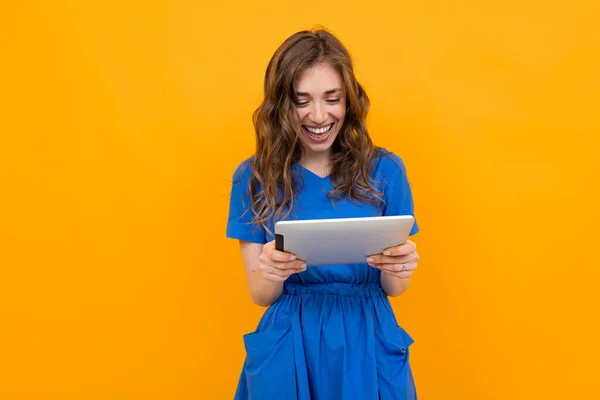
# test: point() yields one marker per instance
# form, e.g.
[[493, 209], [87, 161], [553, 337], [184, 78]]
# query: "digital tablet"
[[341, 240]]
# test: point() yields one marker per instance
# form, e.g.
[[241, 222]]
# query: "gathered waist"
[[370, 289]]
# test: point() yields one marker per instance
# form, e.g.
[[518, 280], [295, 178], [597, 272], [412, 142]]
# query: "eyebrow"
[[330, 91]]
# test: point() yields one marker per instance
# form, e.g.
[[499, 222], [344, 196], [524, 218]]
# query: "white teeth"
[[319, 131]]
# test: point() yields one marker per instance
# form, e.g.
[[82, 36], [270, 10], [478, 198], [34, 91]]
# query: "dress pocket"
[[395, 341], [395, 379], [270, 368]]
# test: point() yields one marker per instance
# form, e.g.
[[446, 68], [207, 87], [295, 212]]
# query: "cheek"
[[340, 112], [301, 114]]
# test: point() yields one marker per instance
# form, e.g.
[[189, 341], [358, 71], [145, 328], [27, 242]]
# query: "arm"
[[266, 270], [262, 292], [398, 263], [264, 286]]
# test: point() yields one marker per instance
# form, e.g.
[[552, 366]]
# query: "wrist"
[[392, 285]]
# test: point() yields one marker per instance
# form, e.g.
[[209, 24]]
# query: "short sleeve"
[[396, 189], [239, 224]]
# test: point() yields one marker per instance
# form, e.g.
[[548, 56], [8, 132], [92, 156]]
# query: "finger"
[[410, 266], [293, 266], [381, 259], [278, 275], [270, 254], [406, 248], [280, 256], [396, 268], [299, 265], [271, 270], [275, 278]]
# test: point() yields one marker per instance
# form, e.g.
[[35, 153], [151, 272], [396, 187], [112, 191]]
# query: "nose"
[[317, 114]]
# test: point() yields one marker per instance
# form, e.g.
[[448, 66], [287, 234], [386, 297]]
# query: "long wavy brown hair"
[[274, 185]]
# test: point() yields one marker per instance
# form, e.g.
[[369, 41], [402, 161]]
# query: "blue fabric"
[[332, 333]]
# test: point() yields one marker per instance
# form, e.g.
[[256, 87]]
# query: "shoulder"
[[243, 170], [388, 164]]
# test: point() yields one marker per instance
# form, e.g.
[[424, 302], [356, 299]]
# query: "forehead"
[[318, 79]]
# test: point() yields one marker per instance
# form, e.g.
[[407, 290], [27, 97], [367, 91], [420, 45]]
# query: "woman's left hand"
[[399, 261]]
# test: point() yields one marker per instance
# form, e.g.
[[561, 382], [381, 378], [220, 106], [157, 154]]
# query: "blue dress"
[[332, 334]]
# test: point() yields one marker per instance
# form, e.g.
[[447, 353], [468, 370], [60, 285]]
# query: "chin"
[[318, 148]]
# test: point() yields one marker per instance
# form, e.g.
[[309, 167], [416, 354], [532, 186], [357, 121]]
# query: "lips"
[[318, 134]]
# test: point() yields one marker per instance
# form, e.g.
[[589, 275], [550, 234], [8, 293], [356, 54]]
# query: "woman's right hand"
[[277, 266]]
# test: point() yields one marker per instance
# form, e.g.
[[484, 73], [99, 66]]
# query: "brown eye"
[[301, 103], [333, 101]]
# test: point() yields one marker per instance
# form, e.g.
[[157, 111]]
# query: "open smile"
[[318, 133]]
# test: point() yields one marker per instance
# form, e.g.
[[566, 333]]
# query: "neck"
[[317, 162]]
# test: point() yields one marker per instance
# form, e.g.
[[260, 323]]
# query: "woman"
[[329, 332]]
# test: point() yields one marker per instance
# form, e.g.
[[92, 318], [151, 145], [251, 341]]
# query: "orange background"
[[122, 122]]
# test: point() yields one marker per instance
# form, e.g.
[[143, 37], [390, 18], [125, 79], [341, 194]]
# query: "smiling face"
[[320, 108]]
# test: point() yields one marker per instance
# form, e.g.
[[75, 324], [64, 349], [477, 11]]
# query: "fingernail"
[[292, 258], [371, 265], [303, 266], [386, 253], [370, 260]]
